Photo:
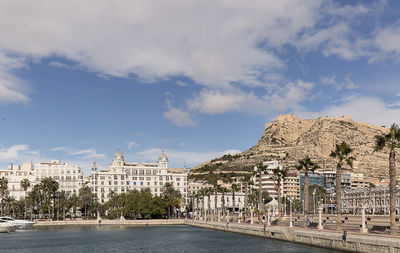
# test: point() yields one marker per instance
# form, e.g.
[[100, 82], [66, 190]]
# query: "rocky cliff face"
[[289, 139]]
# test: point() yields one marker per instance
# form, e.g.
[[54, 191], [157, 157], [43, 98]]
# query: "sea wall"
[[352, 242], [113, 222]]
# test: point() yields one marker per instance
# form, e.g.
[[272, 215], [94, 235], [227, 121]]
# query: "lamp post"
[[290, 214], [314, 199]]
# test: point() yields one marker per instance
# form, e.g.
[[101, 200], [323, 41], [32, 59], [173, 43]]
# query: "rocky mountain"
[[288, 139]]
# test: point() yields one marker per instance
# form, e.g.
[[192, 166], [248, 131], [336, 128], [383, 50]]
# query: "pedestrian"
[[263, 221], [308, 221]]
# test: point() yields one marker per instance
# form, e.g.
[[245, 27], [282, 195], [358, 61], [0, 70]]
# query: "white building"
[[69, 177], [123, 176], [268, 183], [15, 174]]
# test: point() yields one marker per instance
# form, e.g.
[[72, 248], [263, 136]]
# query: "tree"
[[390, 140], [25, 184], [279, 175], [3, 191], [172, 197], [234, 188], [246, 181], [306, 165], [259, 170], [86, 199], [342, 154]]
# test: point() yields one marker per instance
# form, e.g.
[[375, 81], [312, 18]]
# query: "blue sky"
[[198, 79]]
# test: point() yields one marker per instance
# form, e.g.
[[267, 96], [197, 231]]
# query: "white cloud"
[[88, 153], [346, 84], [283, 97], [12, 89], [178, 156], [58, 149], [365, 109], [388, 39], [178, 117], [13, 152], [131, 144]]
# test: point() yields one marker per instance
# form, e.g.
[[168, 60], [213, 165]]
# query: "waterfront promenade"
[[351, 241]]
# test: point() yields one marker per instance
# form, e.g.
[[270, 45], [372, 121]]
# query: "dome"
[[163, 157], [118, 155]]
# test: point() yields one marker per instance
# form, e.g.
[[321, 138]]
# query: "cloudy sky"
[[197, 78]]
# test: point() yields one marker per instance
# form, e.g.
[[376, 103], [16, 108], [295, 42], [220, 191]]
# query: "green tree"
[[3, 191], [25, 184], [234, 188], [306, 165], [259, 171], [391, 140], [86, 199], [172, 197], [279, 174], [342, 154]]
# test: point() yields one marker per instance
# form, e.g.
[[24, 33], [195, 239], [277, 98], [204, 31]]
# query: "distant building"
[[291, 185], [313, 179], [123, 176], [69, 177], [269, 184], [376, 200], [359, 181]]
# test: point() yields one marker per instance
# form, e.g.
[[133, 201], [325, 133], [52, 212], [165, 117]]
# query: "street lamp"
[[314, 199], [290, 214]]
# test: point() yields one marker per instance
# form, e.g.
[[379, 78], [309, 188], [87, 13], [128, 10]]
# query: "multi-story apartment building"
[[291, 185], [123, 176], [268, 182], [69, 177], [358, 180], [15, 174]]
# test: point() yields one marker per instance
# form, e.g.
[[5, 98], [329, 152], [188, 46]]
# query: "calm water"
[[140, 239]]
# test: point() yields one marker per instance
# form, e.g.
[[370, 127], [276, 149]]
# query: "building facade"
[[291, 185], [269, 184], [375, 199], [69, 177], [123, 176]]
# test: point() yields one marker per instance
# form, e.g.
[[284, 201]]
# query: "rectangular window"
[[127, 182], [148, 183], [141, 183], [148, 178], [134, 183], [141, 178]]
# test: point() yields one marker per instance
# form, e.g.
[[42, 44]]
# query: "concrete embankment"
[[325, 239], [112, 222]]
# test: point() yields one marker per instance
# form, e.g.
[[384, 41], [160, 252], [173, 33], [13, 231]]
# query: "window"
[[115, 182], [148, 183], [141, 183], [102, 182], [109, 182], [178, 179], [141, 172], [115, 177], [177, 183], [141, 178], [134, 183], [161, 178], [122, 177], [134, 178], [127, 182], [148, 178]]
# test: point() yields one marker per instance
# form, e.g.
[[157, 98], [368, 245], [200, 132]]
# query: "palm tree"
[[209, 192], [3, 191], [342, 153], [306, 165], [279, 176], [234, 188], [223, 190], [259, 170], [392, 141], [246, 180], [25, 184]]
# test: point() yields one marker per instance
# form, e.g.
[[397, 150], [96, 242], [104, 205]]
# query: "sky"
[[197, 79]]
